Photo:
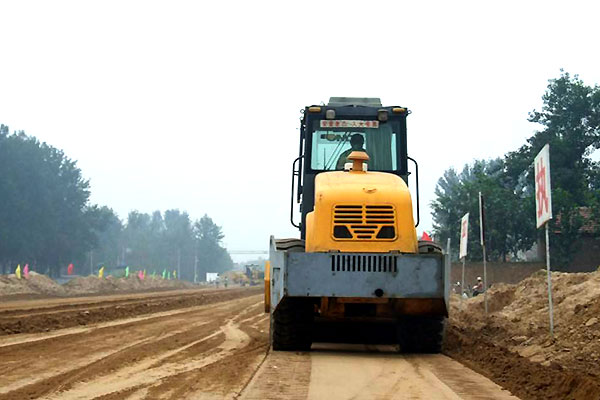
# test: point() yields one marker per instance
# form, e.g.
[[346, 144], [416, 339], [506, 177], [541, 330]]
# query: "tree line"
[[47, 221], [570, 123]]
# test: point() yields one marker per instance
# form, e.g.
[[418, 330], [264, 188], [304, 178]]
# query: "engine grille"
[[364, 222], [364, 263]]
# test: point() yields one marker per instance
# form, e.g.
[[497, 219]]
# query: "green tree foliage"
[[106, 237], [570, 123], [46, 221], [458, 194], [570, 119], [44, 200], [154, 242], [211, 255]]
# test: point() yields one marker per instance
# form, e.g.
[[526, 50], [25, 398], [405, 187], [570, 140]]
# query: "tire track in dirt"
[[77, 315], [227, 377], [69, 301], [64, 306], [159, 341]]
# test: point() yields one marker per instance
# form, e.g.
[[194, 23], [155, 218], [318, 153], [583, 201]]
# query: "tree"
[[44, 201], [155, 242], [570, 120], [212, 257], [457, 194], [179, 240], [105, 236]]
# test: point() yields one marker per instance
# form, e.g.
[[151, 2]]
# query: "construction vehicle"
[[254, 274], [358, 266]]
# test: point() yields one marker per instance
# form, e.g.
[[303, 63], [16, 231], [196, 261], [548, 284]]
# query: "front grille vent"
[[364, 222], [364, 263]]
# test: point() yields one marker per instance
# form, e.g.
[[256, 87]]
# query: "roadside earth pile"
[[507, 272], [41, 285], [513, 345], [34, 284], [93, 284], [90, 284]]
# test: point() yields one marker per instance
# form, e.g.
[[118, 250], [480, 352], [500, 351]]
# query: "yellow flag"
[[18, 271], [101, 272], [174, 274]]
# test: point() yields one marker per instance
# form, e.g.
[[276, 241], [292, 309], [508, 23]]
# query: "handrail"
[[295, 173], [417, 181]]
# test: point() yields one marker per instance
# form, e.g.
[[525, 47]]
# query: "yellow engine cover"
[[358, 211]]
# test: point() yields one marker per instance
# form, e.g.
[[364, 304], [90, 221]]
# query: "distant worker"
[[456, 287], [356, 141], [478, 289]]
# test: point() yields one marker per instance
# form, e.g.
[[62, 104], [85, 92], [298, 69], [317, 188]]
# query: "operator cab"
[[330, 132]]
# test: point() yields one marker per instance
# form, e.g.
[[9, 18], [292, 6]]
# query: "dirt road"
[[332, 371], [201, 351], [200, 344]]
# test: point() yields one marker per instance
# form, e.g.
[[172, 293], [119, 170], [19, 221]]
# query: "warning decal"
[[349, 123]]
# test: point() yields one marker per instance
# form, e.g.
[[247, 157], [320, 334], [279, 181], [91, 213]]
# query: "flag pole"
[[485, 280], [482, 239], [463, 248], [462, 282], [550, 308]]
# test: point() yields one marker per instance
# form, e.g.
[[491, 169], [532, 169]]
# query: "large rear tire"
[[420, 334], [292, 323]]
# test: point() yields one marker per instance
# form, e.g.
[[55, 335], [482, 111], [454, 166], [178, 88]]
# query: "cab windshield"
[[331, 145]]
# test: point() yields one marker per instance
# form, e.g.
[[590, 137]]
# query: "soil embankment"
[[512, 345], [40, 286], [496, 272]]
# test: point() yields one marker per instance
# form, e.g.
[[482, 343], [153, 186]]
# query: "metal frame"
[[397, 276], [304, 188]]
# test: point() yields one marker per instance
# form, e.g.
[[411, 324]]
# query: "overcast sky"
[[196, 105]]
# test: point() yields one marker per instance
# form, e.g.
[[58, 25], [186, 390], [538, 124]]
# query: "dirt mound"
[[93, 284], [41, 285], [499, 296], [90, 284], [518, 328], [34, 284], [505, 272]]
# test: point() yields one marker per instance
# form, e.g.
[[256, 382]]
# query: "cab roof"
[[354, 101]]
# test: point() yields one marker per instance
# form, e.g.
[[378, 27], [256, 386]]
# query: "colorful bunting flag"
[[26, 271], [70, 269], [174, 274], [127, 271], [101, 272], [164, 274], [18, 271]]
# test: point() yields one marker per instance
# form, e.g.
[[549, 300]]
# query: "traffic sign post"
[[543, 212], [482, 239], [464, 238]]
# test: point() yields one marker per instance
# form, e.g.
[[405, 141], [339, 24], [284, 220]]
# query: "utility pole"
[[178, 263], [196, 266]]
